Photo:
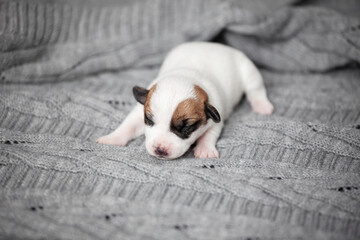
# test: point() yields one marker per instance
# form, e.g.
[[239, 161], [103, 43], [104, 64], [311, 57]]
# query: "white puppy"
[[197, 88]]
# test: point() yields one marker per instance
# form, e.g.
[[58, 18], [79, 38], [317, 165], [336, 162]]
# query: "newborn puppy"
[[197, 88]]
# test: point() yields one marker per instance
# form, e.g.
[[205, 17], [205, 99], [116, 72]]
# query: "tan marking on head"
[[188, 109], [192, 109], [147, 107], [201, 95]]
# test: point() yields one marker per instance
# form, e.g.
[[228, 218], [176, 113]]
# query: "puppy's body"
[[197, 88]]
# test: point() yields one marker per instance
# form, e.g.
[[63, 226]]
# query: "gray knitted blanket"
[[67, 69]]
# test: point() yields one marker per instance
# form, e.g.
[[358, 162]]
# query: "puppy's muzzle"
[[161, 152]]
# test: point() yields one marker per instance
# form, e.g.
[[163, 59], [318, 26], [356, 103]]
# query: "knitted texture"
[[67, 70]]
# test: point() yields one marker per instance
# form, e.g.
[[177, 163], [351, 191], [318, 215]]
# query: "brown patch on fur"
[[201, 94], [192, 109], [147, 107], [188, 109]]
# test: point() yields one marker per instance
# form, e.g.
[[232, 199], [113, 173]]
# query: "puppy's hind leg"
[[255, 90], [130, 128], [259, 101]]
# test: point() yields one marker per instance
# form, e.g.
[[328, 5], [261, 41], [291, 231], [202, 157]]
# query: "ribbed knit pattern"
[[67, 70]]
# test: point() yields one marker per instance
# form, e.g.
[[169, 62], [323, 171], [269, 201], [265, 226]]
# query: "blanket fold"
[[59, 41]]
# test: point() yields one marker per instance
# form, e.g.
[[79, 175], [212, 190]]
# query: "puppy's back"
[[219, 64]]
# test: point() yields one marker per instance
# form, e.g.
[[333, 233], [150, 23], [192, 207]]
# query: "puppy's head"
[[175, 116]]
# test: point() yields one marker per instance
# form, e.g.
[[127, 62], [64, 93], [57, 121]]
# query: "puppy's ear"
[[212, 113], [140, 94]]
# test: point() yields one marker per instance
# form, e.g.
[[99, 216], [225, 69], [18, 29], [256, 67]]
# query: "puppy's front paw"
[[112, 140], [262, 106], [203, 151]]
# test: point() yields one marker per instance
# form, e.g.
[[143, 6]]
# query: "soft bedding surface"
[[67, 70]]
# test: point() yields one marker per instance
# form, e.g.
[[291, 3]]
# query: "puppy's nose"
[[161, 152]]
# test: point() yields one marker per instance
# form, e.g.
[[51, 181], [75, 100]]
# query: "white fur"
[[223, 72]]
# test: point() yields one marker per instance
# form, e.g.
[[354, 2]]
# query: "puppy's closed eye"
[[185, 128], [148, 120]]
